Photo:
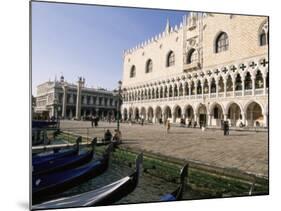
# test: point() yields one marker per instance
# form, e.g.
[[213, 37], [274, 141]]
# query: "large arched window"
[[149, 66], [191, 56], [221, 43], [263, 34], [170, 59], [263, 40], [133, 71]]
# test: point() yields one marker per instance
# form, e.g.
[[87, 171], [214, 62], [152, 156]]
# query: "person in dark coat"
[[227, 128], [224, 128], [107, 135], [195, 124], [96, 121], [92, 121]]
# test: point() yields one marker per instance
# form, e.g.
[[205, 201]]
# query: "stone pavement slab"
[[243, 150]]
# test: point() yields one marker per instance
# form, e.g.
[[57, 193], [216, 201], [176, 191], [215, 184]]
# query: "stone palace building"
[[68, 101], [211, 68]]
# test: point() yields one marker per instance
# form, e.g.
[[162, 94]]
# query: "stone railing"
[[248, 92]]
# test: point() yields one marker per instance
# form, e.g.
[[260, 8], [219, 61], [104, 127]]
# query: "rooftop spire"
[[168, 28]]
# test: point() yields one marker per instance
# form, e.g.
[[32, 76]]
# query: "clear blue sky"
[[87, 40]]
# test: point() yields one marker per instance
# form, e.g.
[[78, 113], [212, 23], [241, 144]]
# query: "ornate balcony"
[[191, 67]]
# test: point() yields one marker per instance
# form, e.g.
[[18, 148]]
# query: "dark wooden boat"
[[45, 186], [43, 158], [178, 193], [103, 196], [63, 163]]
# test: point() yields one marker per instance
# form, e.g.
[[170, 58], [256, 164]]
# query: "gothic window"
[[153, 94], [213, 86], [186, 89], [148, 67], [165, 92], [133, 71], [170, 91], [248, 81], [199, 88], [192, 56], [175, 91], [229, 84], [180, 90], [238, 83], [206, 87], [221, 43], [259, 80], [157, 93], [170, 59], [192, 88]]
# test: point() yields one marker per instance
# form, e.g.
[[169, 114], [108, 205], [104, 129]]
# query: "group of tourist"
[[117, 137], [94, 121], [202, 126]]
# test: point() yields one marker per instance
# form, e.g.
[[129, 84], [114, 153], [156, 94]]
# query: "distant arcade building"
[[209, 69], [75, 101]]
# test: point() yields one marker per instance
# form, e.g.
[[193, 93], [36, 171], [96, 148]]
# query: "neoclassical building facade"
[[211, 68], [68, 100]]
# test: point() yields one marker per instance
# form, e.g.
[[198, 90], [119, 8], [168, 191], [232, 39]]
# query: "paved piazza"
[[246, 151]]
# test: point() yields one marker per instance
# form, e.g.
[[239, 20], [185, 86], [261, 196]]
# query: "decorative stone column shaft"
[[64, 100]]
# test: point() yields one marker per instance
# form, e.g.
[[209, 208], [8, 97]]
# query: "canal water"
[[149, 189]]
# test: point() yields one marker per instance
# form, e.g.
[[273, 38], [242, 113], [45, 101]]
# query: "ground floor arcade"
[[250, 113]]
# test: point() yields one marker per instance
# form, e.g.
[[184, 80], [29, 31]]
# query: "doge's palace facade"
[[211, 68]]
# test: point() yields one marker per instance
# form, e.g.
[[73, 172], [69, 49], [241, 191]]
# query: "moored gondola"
[[45, 186], [63, 163], [39, 159], [178, 193], [103, 196]]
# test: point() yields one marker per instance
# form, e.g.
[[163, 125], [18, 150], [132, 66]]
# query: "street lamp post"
[[58, 119], [118, 104], [55, 108]]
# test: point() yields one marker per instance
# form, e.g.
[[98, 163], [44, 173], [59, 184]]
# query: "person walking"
[[96, 121], [92, 121], [168, 126], [227, 129]]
